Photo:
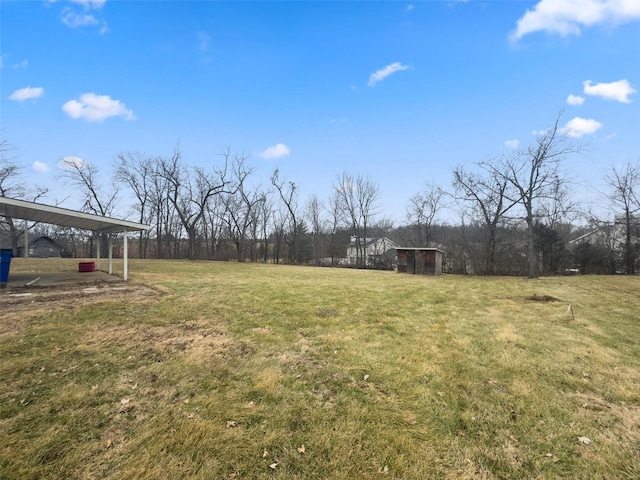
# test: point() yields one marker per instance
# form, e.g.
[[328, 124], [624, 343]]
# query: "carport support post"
[[126, 256], [110, 254], [98, 252], [26, 240]]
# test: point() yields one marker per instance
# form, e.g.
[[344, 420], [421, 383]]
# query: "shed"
[[420, 260]]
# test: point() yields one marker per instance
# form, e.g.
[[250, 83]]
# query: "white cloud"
[[75, 20], [567, 17], [575, 100], [40, 167], [26, 93], [204, 40], [96, 108], [276, 151], [337, 120], [618, 91], [409, 7], [88, 4], [383, 73], [23, 64], [72, 162], [512, 144], [578, 127]]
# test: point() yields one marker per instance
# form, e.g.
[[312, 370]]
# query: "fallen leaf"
[[301, 449], [273, 465], [264, 455], [461, 433], [584, 440], [108, 443], [232, 423], [366, 377], [125, 401]]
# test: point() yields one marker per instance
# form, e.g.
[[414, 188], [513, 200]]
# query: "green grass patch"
[[266, 371]]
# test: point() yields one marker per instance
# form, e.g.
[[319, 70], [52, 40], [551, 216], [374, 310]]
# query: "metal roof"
[[421, 249], [38, 212]]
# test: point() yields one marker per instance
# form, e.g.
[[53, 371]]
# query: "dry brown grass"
[[233, 368]]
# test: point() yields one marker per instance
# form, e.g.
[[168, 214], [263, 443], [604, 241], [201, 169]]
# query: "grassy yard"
[[261, 371]]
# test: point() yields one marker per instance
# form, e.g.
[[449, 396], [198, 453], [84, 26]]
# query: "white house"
[[378, 252], [611, 238]]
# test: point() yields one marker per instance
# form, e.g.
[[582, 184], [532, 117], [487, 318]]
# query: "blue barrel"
[[5, 264]]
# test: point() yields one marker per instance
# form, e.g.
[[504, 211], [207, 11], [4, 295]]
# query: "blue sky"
[[399, 91]]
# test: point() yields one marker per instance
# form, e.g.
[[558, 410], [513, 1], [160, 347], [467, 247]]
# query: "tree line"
[[516, 212]]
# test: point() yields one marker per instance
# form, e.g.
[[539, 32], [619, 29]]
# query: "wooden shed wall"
[[420, 262]]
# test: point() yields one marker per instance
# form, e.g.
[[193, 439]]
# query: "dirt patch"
[[542, 298], [20, 304], [195, 341]]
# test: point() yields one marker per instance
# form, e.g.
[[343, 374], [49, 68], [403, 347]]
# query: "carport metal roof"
[[38, 212]]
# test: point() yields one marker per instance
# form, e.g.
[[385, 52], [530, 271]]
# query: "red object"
[[87, 266]]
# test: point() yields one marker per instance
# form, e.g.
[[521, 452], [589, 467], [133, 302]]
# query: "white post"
[[26, 240], [98, 252], [110, 254], [126, 256]]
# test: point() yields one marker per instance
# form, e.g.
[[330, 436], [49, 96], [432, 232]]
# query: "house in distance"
[[420, 260], [371, 252]]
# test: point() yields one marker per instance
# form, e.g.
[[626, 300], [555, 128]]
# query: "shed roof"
[[420, 249], [38, 212]]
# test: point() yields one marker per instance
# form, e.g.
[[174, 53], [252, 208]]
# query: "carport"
[[37, 212]]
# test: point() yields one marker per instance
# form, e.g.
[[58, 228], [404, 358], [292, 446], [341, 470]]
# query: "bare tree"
[[532, 174], [266, 214], [625, 196], [357, 198], [95, 198], [190, 190], [12, 185], [314, 211], [213, 227], [84, 175], [288, 192], [422, 210], [335, 220], [136, 170], [486, 191], [239, 211], [162, 212]]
